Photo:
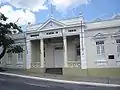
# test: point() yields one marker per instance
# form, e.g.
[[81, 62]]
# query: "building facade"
[[69, 47]]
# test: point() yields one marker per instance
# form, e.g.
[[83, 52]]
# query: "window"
[[100, 47], [35, 35], [58, 48], [20, 57], [56, 32], [78, 50], [9, 58], [99, 42], [117, 40], [72, 30], [118, 47], [49, 33], [44, 52]]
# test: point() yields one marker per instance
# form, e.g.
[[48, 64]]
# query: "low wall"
[[94, 72]]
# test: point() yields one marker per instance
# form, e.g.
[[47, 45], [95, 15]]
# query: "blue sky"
[[37, 11], [95, 9]]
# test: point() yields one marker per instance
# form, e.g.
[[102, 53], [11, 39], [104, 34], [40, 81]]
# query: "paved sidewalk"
[[71, 78]]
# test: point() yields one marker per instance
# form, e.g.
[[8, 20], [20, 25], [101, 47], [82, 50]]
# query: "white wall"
[[110, 47], [14, 63], [19, 40]]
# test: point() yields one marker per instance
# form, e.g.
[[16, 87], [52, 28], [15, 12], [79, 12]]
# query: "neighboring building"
[[69, 47], [16, 60]]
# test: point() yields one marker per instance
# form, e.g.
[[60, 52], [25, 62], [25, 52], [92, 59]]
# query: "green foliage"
[[6, 40], [15, 49]]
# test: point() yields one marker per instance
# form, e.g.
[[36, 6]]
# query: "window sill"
[[101, 61]]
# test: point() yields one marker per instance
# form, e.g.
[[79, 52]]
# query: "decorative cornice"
[[116, 35], [99, 36]]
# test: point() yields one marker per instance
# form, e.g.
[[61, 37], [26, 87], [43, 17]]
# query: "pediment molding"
[[51, 23]]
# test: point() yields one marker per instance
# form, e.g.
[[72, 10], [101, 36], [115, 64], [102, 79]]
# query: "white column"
[[28, 56], [42, 52], [82, 50], [65, 52]]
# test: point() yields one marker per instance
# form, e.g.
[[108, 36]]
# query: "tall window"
[[100, 48], [9, 58], [20, 57], [44, 53], [118, 47], [78, 50]]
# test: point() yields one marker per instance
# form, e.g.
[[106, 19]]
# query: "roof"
[[99, 23], [69, 21], [103, 24]]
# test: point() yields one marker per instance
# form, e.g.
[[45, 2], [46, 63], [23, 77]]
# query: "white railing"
[[74, 64], [35, 65]]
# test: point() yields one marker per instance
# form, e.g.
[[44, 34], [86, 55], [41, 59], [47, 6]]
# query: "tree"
[[6, 41]]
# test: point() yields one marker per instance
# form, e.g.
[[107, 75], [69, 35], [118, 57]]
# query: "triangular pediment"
[[117, 34], [99, 36], [51, 24]]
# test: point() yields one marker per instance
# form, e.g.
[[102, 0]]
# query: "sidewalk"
[[71, 78]]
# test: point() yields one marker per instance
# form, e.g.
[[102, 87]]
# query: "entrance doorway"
[[58, 57], [58, 60]]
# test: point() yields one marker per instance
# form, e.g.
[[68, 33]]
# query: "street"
[[18, 83]]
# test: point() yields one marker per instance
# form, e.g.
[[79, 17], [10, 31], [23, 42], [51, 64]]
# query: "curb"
[[62, 81]]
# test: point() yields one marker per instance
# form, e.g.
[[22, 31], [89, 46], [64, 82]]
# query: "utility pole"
[[81, 26], [25, 35]]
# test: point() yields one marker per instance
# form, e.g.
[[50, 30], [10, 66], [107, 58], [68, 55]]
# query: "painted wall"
[[92, 72], [110, 48], [14, 63], [19, 40]]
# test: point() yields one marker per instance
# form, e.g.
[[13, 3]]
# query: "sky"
[[38, 11]]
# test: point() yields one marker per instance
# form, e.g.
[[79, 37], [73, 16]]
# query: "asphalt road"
[[18, 83]]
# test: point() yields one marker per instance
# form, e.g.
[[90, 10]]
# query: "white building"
[[69, 47]]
